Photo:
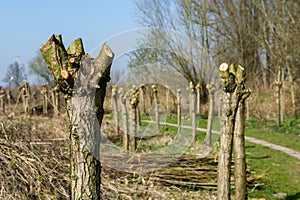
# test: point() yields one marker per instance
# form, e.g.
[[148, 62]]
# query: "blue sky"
[[26, 25]]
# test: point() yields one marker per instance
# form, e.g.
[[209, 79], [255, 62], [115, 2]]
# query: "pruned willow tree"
[[83, 80], [232, 136]]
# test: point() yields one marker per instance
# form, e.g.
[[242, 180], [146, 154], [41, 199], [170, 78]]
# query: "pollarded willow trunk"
[[232, 78], [44, 92], [83, 81], [25, 95], [125, 123], [239, 152], [134, 101], [211, 90], [179, 112], [142, 99], [293, 94], [2, 100], [278, 85], [198, 89], [55, 100], [115, 108], [193, 112]]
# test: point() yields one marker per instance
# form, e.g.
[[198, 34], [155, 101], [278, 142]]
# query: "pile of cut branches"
[[32, 166]]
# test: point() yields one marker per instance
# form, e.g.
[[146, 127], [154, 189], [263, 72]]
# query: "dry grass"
[[34, 160], [34, 164]]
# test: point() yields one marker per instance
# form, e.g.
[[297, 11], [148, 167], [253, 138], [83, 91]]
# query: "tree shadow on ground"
[[258, 157]]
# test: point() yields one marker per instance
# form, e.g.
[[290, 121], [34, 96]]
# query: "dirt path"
[[286, 150]]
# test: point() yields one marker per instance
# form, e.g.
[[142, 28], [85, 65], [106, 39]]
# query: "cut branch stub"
[[62, 63], [227, 78], [103, 60], [55, 56]]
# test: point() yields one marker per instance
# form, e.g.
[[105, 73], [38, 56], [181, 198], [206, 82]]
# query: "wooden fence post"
[[278, 85], [26, 97], [142, 103], [125, 123], [168, 102], [179, 111], [44, 92], [294, 93], [220, 99], [138, 116], [198, 89], [211, 90], [55, 100], [10, 98], [247, 109], [115, 108], [157, 120], [2, 99], [134, 101], [193, 107]]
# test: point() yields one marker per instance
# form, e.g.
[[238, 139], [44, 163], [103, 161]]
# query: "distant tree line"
[[258, 34]]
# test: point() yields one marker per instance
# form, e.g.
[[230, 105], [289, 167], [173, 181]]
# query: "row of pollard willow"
[[7, 98], [135, 105], [28, 99]]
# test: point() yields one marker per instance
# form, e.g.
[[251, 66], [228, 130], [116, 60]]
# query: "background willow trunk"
[[239, 154], [83, 81]]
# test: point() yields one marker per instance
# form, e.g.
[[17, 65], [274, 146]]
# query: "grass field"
[[279, 173]]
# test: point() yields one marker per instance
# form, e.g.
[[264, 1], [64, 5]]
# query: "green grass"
[[287, 140], [288, 126], [288, 135], [281, 173]]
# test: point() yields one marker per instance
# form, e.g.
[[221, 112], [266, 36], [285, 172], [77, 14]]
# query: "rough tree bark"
[[232, 78], [83, 81], [239, 151]]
